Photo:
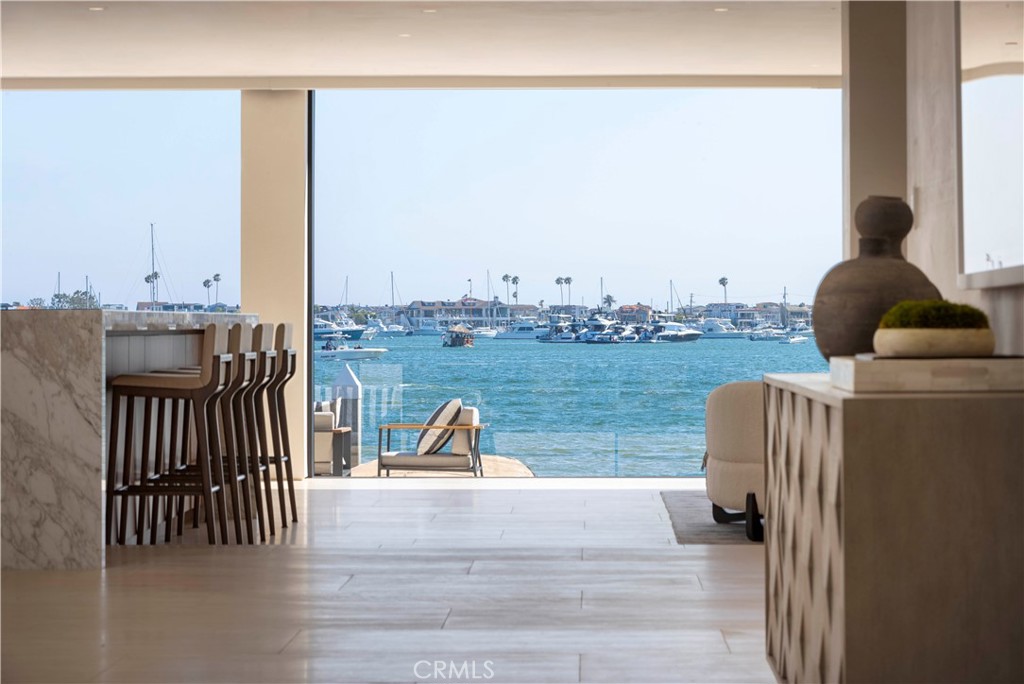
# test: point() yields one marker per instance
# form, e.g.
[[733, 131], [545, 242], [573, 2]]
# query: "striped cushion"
[[432, 441]]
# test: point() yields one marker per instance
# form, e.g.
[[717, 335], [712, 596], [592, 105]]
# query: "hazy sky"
[[639, 187], [85, 173]]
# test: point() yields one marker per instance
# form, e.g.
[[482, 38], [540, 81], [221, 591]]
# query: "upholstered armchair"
[[734, 432]]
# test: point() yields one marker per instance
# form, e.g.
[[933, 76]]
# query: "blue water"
[[568, 409]]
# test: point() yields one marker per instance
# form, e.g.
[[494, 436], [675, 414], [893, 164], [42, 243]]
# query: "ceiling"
[[389, 39], [299, 43]]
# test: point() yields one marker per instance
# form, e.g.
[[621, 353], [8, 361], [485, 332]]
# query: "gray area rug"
[[690, 513]]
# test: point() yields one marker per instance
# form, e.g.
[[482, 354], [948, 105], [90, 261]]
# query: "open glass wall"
[[598, 220]]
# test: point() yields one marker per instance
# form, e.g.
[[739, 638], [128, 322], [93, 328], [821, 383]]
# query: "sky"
[[639, 188]]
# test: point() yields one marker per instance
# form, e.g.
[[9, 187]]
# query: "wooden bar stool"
[[187, 394], [254, 419], [282, 456], [234, 448]]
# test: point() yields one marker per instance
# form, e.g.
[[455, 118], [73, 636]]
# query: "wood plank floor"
[[405, 581]]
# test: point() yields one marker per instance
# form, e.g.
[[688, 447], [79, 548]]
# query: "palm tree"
[[216, 279], [568, 283], [151, 280], [515, 283], [609, 301], [723, 281], [558, 281], [505, 278], [207, 284]]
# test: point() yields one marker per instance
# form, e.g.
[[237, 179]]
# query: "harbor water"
[[574, 410]]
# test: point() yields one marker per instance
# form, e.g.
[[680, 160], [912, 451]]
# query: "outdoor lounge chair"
[[734, 432], [450, 422]]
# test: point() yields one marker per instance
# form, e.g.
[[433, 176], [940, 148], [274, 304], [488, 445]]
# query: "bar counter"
[[54, 369]]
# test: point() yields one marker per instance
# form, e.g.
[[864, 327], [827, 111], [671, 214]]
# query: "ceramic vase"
[[854, 294]]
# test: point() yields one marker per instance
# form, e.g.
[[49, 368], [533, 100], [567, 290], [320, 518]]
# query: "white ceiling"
[[377, 39], [300, 42]]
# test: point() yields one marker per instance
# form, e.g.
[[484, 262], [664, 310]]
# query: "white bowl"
[[934, 342]]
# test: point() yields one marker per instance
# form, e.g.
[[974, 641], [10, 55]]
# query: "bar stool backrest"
[[283, 339], [215, 342], [263, 337]]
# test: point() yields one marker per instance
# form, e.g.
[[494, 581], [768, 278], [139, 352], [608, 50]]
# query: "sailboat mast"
[[153, 291], [392, 291], [670, 288]]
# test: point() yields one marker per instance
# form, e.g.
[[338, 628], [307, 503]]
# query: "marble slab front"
[[52, 402]]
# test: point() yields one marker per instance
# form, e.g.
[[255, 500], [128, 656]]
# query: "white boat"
[[378, 327], [344, 326], [766, 335], [793, 339], [721, 329], [523, 330], [429, 326], [347, 353], [671, 331], [485, 332]]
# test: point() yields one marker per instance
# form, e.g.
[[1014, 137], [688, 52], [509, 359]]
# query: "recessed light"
[[721, 9], [97, 9], [430, 11], [405, 35]]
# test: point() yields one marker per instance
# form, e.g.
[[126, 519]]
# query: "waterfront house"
[[555, 581]]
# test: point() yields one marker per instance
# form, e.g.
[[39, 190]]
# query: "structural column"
[[874, 107], [274, 235]]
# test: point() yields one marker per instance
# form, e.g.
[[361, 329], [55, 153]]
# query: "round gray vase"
[[854, 294]]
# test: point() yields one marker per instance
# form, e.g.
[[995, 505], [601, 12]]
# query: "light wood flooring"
[[406, 581]]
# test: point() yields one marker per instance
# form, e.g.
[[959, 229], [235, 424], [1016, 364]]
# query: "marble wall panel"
[[52, 381]]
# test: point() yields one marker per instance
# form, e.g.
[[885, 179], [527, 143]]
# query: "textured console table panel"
[[893, 543]]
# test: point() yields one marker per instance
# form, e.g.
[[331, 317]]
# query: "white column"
[[274, 238], [874, 107]]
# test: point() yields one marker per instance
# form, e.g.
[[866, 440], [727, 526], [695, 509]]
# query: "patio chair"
[[332, 442], [734, 460], [450, 422]]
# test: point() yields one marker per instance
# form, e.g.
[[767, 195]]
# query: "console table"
[[893, 537]]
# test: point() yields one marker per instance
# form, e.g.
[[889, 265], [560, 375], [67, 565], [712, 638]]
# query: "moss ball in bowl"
[[934, 328]]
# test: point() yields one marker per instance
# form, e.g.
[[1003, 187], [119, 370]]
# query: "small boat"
[[485, 332], [457, 336], [331, 350], [793, 339], [766, 335], [606, 337], [672, 331], [522, 330], [721, 329]]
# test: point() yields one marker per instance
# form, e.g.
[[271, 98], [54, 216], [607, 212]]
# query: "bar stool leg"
[[126, 472], [229, 455], [286, 453], [217, 468], [247, 450], [203, 460], [260, 438], [147, 438], [112, 439]]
